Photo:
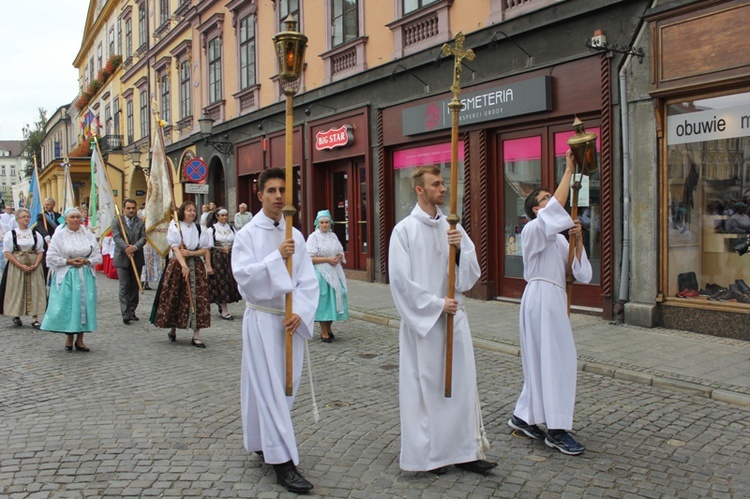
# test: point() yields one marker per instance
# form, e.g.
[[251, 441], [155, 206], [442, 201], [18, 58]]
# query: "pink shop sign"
[[439, 154]]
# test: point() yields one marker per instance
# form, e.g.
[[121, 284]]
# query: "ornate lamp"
[[290, 50], [583, 147], [206, 124]]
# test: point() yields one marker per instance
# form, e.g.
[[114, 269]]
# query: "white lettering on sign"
[[335, 137], [715, 124]]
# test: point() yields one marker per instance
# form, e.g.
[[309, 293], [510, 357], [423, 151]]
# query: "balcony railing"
[[111, 143]]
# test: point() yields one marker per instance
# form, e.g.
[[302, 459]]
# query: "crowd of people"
[[214, 262]]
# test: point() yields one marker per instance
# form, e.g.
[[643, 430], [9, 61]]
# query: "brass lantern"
[[290, 50], [583, 145]]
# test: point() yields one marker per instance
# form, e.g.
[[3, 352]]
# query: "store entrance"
[[346, 197]]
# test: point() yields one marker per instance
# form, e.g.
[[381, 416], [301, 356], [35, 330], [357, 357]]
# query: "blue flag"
[[33, 203]]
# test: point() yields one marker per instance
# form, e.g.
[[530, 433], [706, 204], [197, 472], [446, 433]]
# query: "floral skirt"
[[172, 304], [222, 287], [152, 266]]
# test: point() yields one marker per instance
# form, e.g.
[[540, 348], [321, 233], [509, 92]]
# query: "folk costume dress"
[[222, 287], [435, 431], [27, 294], [171, 305], [263, 280], [548, 352], [333, 304], [152, 264], [72, 297]]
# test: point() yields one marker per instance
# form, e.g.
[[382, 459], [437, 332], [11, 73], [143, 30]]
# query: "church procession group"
[[210, 261]]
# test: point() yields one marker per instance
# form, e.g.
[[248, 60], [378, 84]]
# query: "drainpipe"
[[625, 132]]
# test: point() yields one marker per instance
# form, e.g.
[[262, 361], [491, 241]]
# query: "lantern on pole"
[[290, 51], [583, 147]]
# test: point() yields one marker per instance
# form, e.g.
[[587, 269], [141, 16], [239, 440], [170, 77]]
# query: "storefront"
[[703, 104], [339, 152], [512, 139]]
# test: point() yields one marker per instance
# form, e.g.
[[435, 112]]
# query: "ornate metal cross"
[[459, 54]]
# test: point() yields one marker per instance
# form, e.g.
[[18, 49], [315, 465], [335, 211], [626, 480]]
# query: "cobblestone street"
[[140, 416]]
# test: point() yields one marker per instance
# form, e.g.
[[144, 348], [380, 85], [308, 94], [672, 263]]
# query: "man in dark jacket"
[[128, 244]]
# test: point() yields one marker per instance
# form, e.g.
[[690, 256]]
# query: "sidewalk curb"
[[719, 394]]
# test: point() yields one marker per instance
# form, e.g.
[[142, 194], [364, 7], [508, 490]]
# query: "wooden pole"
[[119, 217], [569, 279], [289, 210], [455, 107]]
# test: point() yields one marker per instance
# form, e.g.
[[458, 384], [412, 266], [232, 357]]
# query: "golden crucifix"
[[455, 106]]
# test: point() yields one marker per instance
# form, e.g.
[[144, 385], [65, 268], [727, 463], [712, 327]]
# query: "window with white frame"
[[116, 115], [144, 113], [286, 8], [128, 38], [111, 40], [344, 21], [91, 69], [163, 11], [99, 57], [107, 120], [166, 109], [214, 70], [410, 6], [142, 26], [185, 105], [247, 52], [119, 36], [130, 122]]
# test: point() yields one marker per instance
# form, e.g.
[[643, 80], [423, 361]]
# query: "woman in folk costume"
[[176, 305], [24, 276], [222, 287], [327, 254], [152, 260], [72, 253]]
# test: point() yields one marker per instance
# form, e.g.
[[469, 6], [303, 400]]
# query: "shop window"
[[522, 173], [708, 192], [404, 163]]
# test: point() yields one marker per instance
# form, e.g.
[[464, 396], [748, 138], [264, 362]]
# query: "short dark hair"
[[266, 175], [181, 210], [531, 202], [129, 200]]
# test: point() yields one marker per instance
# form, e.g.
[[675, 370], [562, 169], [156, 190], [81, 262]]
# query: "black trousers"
[[129, 291]]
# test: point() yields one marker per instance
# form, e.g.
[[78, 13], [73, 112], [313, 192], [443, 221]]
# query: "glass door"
[[340, 209]]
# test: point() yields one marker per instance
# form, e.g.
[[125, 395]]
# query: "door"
[[348, 205]]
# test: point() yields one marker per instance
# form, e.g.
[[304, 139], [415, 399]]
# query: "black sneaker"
[[530, 430], [564, 443]]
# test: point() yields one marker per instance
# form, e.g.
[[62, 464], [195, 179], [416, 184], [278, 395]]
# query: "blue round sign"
[[196, 170]]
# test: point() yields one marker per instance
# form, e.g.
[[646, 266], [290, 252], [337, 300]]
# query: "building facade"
[[12, 168]]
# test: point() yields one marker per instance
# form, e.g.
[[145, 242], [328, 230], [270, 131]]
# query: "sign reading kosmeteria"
[[514, 99], [725, 123]]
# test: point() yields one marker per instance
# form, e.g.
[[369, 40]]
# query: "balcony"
[[111, 143]]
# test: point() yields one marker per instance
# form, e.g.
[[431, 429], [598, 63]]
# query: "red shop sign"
[[335, 137]]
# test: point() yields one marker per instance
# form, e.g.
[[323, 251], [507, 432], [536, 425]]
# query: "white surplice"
[[435, 431], [263, 281], [548, 351]]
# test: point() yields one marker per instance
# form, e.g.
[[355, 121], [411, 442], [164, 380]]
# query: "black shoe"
[[69, 348], [172, 336], [146, 286], [439, 471], [742, 285], [126, 321], [259, 452], [134, 318], [326, 340], [288, 476], [530, 430], [198, 343], [82, 349], [480, 466], [17, 321]]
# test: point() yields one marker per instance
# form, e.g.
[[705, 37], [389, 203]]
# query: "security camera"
[[307, 112]]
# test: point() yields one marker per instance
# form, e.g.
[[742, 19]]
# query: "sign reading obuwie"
[[513, 99]]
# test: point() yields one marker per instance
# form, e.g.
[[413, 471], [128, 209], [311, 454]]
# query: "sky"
[[38, 41]]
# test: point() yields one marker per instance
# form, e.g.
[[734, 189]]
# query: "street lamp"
[[135, 159], [290, 50], [206, 124]]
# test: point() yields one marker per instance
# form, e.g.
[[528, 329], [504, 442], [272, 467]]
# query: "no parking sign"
[[196, 170]]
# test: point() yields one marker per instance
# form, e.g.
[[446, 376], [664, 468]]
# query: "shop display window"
[[708, 193], [404, 163]]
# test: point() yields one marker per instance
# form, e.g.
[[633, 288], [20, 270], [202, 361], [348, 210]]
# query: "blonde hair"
[[417, 177]]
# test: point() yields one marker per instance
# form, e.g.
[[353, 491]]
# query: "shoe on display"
[[742, 285], [530, 430], [725, 296], [687, 293], [743, 298], [563, 442]]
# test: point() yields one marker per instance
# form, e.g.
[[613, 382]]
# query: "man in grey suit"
[[124, 249]]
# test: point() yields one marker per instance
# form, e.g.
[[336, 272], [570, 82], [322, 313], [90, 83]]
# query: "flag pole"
[[119, 217], [455, 106], [39, 194], [160, 131]]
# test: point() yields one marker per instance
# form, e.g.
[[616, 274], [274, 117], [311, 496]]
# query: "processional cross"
[[459, 54]]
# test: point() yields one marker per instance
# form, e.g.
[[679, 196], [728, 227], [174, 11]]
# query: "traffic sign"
[[196, 170]]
